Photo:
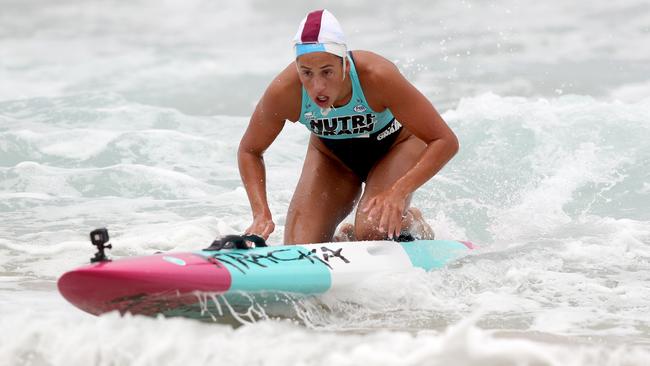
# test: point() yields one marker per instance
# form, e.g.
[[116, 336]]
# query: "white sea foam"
[[114, 340]]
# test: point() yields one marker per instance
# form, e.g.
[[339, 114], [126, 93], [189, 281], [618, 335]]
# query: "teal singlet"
[[353, 120], [357, 135]]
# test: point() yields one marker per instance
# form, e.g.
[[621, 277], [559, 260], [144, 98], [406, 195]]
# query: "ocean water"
[[128, 115]]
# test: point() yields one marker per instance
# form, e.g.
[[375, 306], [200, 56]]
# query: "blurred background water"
[[128, 115]]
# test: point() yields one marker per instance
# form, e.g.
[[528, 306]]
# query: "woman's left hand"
[[389, 207]]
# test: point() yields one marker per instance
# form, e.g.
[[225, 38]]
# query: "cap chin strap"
[[326, 111]]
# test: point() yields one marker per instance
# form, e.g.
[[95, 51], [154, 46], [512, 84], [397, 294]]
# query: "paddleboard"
[[178, 284]]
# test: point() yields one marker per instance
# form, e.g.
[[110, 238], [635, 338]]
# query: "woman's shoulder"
[[282, 93], [376, 75], [286, 81], [373, 67]]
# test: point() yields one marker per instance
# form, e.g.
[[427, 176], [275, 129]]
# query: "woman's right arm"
[[275, 106]]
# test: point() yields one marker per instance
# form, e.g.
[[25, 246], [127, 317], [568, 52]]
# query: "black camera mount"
[[99, 238]]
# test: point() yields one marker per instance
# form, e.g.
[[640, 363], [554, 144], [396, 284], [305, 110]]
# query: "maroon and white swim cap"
[[319, 31]]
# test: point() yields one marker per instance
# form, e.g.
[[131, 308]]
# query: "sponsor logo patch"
[[343, 125], [395, 126]]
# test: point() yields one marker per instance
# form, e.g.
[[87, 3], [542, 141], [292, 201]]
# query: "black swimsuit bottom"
[[362, 153]]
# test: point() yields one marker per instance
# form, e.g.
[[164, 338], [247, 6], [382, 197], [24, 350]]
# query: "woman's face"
[[321, 74]]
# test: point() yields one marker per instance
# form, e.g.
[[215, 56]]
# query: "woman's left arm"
[[416, 113]]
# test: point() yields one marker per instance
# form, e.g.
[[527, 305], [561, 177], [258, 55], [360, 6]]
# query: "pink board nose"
[[106, 286], [469, 244]]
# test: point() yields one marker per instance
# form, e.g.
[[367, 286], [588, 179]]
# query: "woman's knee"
[[367, 228]]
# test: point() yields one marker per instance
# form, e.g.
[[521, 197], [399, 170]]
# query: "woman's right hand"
[[262, 225]]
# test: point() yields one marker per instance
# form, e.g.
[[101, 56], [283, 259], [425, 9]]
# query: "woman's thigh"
[[326, 193], [400, 159]]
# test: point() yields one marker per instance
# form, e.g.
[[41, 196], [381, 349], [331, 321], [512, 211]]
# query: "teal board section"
[[433, 254], [292, 269]]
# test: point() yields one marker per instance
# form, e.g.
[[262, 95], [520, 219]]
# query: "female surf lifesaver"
[[368, 125]]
